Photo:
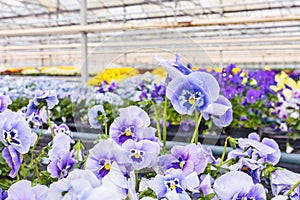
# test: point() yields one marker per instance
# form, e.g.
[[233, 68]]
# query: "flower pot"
[[238, 132]]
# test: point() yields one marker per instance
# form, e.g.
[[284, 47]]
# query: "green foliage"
[[19, 103]]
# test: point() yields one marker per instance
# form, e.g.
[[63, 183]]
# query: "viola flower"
[[15, 131], [113, 85], [221, 111], [267, 150], [115, 186], [185, 125], [174, 185], [103, 155], [96, 116], [251, 167], [41, 99], [5, 101], [3, 195], [189, 158], [158, 93], [238, 185], [62, 129], [282, 181], [252, 95], [206, 182], [47, 97], [23, 190], [61, 159], [174, 69], [191, 92], [199, 90], [71, 186], [133, 123], [39, 117], [142, 154], [230, 92]]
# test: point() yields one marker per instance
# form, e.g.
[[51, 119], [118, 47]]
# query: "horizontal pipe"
[[152, 43], [135, 26]]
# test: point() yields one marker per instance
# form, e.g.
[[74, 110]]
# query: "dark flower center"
[[105, 166], [174, 185], [127, 132], [137, 155], [11, 137], [190, 99]]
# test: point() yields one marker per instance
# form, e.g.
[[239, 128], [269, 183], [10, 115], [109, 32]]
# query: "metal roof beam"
[[135, 26]]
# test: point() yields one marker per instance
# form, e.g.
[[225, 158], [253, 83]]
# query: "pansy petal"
[[13, 159], [157, 185], [192, 181], [230, 184], [208, 82]]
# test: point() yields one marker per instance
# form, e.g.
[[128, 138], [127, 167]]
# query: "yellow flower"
[[283, 79], [253, 82], [287, 93], [267, 68], [110, 74], [159, 71], [236, 70]]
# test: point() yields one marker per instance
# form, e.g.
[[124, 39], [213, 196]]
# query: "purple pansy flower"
[[103, 155], [238, 185], [159, 92], [185, 125], [4, 102], [197, 90], [252, 95], [3, 195], [189, 158], [142, 154], [42, 98], [62, 129], [251, 167], [267, 150], [206, 182], [71, 187], [192, 91], [174, 69], [115, 186], [132, 124], [61, 159], [93, 115], [230, 92], [221, 111], [283, 180], [38, 117], [22, 190], [174, 184], [15, 131]]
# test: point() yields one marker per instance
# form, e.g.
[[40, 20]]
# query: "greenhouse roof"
[[217, 25]]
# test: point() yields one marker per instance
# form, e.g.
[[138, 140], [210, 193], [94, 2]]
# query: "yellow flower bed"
[[110, 74]]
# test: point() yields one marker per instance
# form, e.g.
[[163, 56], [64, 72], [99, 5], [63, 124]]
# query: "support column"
[[84, 49]]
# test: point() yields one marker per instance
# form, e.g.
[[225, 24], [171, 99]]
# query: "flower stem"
[[196, 131], [157, 120], [224, 151], [293, 188], [106, 129], [165, 125], [49, 122]]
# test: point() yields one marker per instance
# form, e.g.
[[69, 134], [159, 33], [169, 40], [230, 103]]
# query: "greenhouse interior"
[[150, 99]]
